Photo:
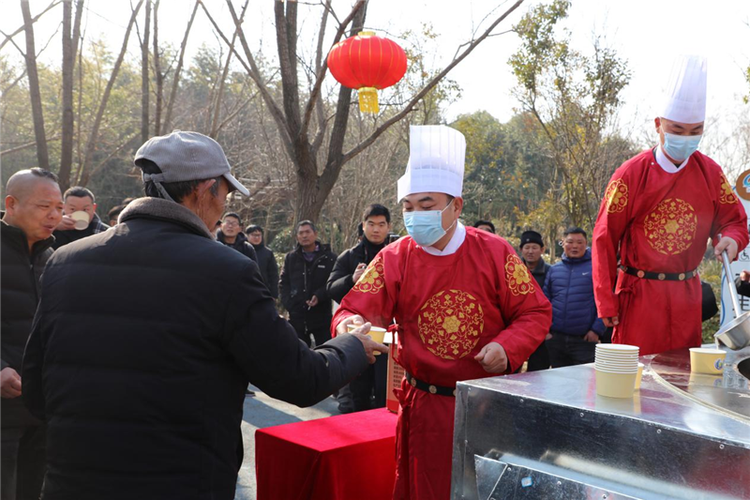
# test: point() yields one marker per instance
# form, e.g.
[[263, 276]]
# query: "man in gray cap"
[[146, 401]]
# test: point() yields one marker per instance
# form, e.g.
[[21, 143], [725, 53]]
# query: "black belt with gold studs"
[[432, 389], [650, 275]]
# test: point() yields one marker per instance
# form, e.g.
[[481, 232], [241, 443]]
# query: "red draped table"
[[343, 457]]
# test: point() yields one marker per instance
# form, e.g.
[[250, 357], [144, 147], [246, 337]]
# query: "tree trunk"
[[69, 48], [94, 135], [145, 74], [158, 74], [313, 189], [36, 97]]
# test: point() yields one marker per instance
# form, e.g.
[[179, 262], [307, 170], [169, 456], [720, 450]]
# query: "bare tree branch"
[[26, 146], [234, 113], [94, 135], [430, 85], [34, 19], [178, 69], [15, 82], [224, 73], [119, 148], [254, 73]]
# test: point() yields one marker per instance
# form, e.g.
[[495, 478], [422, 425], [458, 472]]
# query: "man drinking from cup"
[[79, 217]]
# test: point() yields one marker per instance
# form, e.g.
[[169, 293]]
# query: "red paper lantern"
[[367, 63]]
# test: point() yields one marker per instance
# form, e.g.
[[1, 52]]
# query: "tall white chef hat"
[[685, 98], [436, 161]]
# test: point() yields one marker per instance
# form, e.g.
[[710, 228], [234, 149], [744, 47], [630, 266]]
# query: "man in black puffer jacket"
[[350, 265], [232, 236], [34, 208], [303, 285], [145, 401], [269, 269]]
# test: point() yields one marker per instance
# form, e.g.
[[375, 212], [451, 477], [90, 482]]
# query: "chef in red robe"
[[659, 210], [464, 303]]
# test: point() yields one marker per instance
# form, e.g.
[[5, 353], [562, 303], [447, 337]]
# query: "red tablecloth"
[[344, 457]]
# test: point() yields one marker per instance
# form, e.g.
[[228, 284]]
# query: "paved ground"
[[262, 411]]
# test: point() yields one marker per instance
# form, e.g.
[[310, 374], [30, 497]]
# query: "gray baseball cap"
[[186, 156]]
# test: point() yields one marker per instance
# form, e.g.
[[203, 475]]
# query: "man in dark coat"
[[376, 225], [78, 199], [269, 269], [232, 236], [532, 248], [302, 285], [33, 209], [146, 402], [575, 329]]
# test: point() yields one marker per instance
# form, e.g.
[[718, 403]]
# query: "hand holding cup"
[[373, 347]]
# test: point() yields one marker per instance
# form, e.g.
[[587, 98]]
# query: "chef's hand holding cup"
[[361, 330], [343, 326]]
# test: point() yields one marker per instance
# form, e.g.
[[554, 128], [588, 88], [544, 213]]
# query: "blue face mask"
[[680, 147], [426, 227]]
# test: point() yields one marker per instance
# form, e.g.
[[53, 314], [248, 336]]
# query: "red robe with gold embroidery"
[[447, 309], [660, 222]]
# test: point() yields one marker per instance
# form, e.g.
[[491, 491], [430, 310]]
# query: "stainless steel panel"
[[515, 481], [662, 443]]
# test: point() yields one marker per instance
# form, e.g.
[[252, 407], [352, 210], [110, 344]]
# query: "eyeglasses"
[[230, 223]]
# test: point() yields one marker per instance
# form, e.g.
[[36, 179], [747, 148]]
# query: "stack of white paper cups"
[[616, 370]]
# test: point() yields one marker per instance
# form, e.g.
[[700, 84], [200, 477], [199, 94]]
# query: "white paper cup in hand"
[[81, 219], [376, 333]]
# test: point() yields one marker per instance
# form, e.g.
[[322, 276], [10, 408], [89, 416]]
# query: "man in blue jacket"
[[575, 326]]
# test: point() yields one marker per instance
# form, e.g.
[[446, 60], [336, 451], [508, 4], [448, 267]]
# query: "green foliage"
[[746, 99], [574, 98], [507, 168]]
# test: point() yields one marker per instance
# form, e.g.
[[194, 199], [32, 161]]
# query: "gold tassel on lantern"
[[368, 100]]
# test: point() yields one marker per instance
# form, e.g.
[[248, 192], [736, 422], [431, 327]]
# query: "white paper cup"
[[708, 361], [81, 219], [376, 333], [615, 385]]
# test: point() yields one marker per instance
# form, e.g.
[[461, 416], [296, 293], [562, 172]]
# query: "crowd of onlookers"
[[313, 277]]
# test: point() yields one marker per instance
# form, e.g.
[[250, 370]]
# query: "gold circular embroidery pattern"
[[616, 196], [450, 323], [517, 276], [373, 279], [727, 196], [670, 228]]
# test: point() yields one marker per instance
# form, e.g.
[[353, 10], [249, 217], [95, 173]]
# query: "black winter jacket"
[[21, 271], [143, 345], [96, 226], [269, 269], [240, 244], [540, 271], [300, 280], [341, 281]]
